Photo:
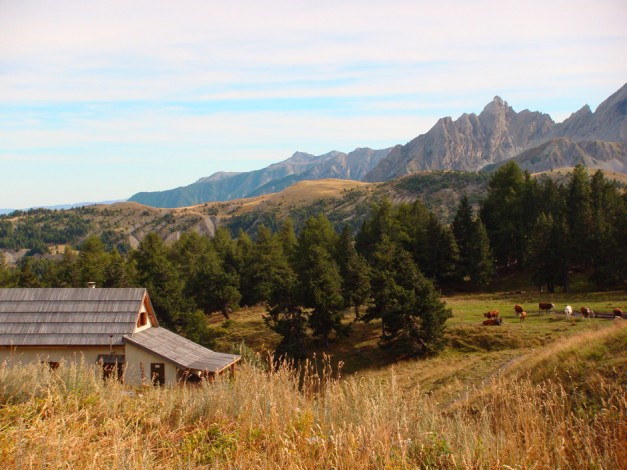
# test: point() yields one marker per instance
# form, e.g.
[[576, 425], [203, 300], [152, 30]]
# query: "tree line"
[[315, 283], [553, 229]]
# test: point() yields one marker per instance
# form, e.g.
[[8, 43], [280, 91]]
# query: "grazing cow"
[[518, 309], [523, 315], [568, 311], [618, 313], [546, 307], [491, 314], [586, 312]]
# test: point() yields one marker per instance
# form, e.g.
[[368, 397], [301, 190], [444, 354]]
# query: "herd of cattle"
[[492, 317]]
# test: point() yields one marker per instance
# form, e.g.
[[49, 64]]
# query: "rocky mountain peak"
[[585, 110], [607, 123], [496, 106]]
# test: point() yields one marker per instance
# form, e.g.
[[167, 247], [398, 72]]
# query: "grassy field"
[[546, 393], [302, 419], [474, 352]]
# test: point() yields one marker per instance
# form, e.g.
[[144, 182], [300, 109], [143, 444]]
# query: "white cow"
[[568, 311]]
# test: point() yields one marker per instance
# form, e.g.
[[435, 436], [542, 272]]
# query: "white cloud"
[[245, 83]]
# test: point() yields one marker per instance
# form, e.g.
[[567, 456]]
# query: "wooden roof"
[[184, 353], [69, 316]]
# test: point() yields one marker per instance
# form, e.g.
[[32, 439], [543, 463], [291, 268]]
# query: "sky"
[[100, 100]]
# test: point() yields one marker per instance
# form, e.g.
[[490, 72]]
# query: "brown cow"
[[491, 314], [617, 312], [518, 309], [546, 307], [586, 312], [523, 315]]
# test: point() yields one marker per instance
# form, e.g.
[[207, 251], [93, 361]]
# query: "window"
[[52, 364], [143, 319], [112, 366]]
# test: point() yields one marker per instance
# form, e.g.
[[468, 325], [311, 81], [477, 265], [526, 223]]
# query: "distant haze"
[[100, 100]]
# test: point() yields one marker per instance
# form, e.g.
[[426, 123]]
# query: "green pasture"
[[474, 353]]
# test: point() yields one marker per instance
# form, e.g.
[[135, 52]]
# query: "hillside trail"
[[486, 381]]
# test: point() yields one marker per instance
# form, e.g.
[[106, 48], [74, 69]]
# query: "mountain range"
[[301, 166], [470, 143]]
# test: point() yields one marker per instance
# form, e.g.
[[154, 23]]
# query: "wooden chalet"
[[114, 328]]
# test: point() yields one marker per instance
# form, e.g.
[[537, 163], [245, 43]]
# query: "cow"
[[586, 312], [568, 311], [618, 313], [546, 307], [523, 315], [518, 309], [491, 314]]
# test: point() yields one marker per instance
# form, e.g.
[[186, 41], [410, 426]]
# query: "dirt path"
[[487, 380]]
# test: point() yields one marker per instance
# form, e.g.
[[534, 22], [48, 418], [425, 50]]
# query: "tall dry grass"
[[289, 419]]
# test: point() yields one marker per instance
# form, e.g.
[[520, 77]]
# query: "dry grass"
[[286, 418], [544, 394]]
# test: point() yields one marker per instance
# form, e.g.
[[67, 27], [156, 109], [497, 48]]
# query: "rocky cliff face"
[[468, 143], [499, 133], [563, 152], [608, 122]]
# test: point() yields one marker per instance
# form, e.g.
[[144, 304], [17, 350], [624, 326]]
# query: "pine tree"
[[481, 264], [286, 317], [322, 289], [501, 212], [549, 253], [92, 259], [68, 274], [217, 289], [26, 276], [407, 303], [442, 254], [354, 271], [383, 221], [288, 239], [158, 275], [116, 272], [609, 237], [579, 216], [320, 284], [7, 277], [266, 268], [463, 228]]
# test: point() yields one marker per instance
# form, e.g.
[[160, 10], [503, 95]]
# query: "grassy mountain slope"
[[125, 224], [344, 201]]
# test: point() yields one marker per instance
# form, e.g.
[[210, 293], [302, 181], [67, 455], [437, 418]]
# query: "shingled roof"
[[70, 316], [184, 353]]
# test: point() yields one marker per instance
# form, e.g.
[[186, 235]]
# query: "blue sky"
[[99, 100]]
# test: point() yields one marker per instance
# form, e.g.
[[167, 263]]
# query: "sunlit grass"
[[286, 418]]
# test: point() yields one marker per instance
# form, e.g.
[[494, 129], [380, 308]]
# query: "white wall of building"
[[138, 359]]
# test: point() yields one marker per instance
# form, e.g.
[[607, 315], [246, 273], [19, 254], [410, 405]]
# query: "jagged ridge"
[[499, 133]]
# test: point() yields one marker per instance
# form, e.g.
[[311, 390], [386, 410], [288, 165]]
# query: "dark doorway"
[[157, 373]]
